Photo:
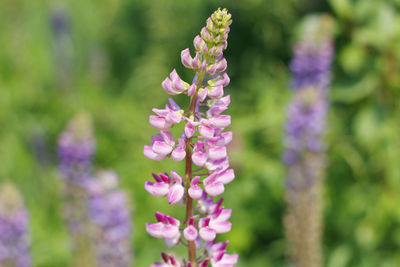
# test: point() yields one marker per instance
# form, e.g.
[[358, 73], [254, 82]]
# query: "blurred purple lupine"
[[305, 127], [14, 228], [111, 229], [96, 211], [203, 143]]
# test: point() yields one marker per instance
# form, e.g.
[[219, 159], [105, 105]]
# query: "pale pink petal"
[[195, 192], [155, 229], [229, 259], [226, 176], [167, 86], [175, 193], [199, 158], [156, 189], [176, 177], [215, 189], [226, 138], [224, 215], [221, 121], [216, 153], [149, 153], [178, 154], [189, 130], [206, 131], [216, 92], [170, 231], [186, 58], [207, 234], [220, 227], [158, 122], [161, 148], [168, 137], [190, 233], [202, 94]]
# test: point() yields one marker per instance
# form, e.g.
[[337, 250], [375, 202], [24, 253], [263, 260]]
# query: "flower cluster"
[[203, 143], [305, 127], [110, 217], [14, 224], [96, 211]]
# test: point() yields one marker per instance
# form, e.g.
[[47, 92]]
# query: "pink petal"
[[178, 154], [174, 117], [221, 121], [167, 86], [168, 138], [191, 90], [216, 153], [176, 177], [226, 138], [161, 148], [216, 92], [158, 122], [149, 153], [220, 227], [229, 259], [202, 94], [195, 192], [224, 215], [206, 131], [175, 193], [156, 189], [190, 233], [207, 234], [226, 176], [155, 229], [199, 158], [215, 189], [189, 130], [221, 66], [170, 231], [186, 58]]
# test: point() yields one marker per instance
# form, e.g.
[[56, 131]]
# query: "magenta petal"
[[216, 153], [226, 176], [220, 227], [175, 193], [155, 229], [170, 231], [178, 154], [156, 189], [206, 131], [190, 233], [149, 153], [215, 189], [161, 148], [199, 158], [207, 234], [195, 192]]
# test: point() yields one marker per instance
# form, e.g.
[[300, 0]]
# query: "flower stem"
[[188, 174]]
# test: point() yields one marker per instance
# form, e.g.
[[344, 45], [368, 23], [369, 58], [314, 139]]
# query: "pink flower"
[[167, 228], [164, 185]]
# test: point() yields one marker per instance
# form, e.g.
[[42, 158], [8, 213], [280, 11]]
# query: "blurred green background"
[[109, 57]]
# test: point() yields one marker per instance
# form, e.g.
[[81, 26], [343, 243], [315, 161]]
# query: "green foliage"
[[111, 62]]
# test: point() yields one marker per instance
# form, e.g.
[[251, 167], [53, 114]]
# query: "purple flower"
[[97, 212], [304, 132], [111, 220], [14, 228], [202, 142]]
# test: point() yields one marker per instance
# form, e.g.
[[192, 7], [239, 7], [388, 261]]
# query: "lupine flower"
[[305, 127], [96, 211], [14, 232], [110, 219], [203, 143], [76, 146]]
